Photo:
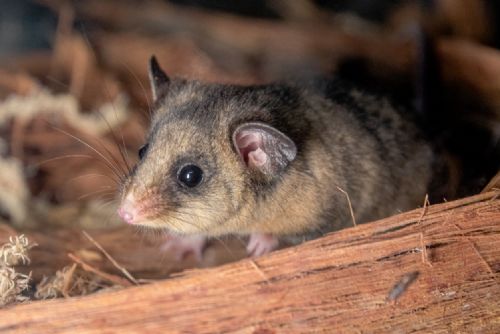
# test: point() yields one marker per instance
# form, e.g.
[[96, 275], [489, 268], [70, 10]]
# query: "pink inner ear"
[[257, 158], [250, 147]]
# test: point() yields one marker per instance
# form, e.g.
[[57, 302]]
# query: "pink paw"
[[181, 247], [260, 244]]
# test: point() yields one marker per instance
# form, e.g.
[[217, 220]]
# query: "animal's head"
[[209, 152]]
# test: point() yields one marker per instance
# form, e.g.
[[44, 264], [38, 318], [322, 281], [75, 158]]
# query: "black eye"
[[190, 175], [142, 151]]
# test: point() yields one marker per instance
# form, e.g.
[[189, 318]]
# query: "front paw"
[[260, 244], [181, 247]]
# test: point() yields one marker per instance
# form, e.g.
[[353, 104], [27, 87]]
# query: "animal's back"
[[363, 146]]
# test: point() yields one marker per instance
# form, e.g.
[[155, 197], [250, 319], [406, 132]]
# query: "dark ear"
[[158, 79], [264, 148]]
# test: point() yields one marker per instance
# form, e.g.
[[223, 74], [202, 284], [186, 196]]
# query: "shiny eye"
[[142, 151], [190, 175]]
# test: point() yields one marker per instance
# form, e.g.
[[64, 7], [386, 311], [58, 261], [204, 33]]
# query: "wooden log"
[[336, 284]]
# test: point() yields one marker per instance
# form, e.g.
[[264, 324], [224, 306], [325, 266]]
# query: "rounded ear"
[[158, 79], [264, 148]]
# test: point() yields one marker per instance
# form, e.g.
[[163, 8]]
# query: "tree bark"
[[434, 269]]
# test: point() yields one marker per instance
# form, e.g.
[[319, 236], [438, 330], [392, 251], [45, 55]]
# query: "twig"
[[110, 258], [424, 209], [257, 268], [109, 277], [67, 280], [494, 182], [425, 256], [497, 194], [350, 205]]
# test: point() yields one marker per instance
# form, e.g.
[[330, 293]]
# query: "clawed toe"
[[260, 244]]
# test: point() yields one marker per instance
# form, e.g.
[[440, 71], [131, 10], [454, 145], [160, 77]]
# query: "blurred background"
[[75, 98]]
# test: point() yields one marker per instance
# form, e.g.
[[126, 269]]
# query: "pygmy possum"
[[280, 163]]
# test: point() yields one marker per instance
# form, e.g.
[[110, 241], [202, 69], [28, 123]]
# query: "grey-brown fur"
[[346, 140]]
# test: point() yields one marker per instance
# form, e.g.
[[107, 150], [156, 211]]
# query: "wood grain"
[[336, 284]]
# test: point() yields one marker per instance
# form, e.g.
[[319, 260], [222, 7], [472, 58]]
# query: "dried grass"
[[15, 251], [12, 283], [70, 281]]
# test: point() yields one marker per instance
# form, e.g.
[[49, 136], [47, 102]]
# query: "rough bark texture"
[[337, 284]]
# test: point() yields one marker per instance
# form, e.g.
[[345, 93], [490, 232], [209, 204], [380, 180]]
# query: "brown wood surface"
[[337, 284]]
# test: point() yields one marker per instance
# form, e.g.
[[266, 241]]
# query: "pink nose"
[[126, 216], [127, 212]]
